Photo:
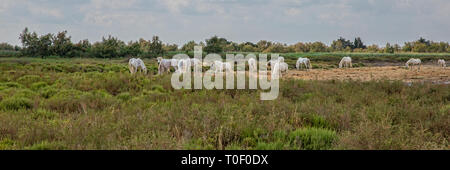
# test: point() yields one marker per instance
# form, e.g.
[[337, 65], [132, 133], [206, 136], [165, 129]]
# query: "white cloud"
[[175, 6], [4, 5], [293, 12], [112, 4], [39, 10], [114, 13], [102, 18]]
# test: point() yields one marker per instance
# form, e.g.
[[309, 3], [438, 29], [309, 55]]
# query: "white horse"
[[278, 69], [131, 65], [276, 73], [252, 65], [220, 66], [184, 65], [165, 64], [303, 61], [270, 62], [441, 63], [284, 67], [346, 62], [195, 61], [414, 61], [281, 59], [134, 64]]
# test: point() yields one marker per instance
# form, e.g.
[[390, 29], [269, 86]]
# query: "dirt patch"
[[426, 73]]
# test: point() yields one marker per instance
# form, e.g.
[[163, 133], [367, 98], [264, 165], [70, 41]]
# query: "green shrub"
[[93, 68], [271, 146], [27, 80], [66, 101], [48, 91], [16, 103], [312, 138], [11, 84], [55, 68], [27, 93], [78, 101], [125, 96], [158, 88], [116, 68], [44, 114], [45, 145], [38, 85], [317, 121], [7, 144], [233, 147]]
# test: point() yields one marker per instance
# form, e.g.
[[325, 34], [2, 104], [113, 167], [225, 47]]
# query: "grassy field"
[[96, 104]]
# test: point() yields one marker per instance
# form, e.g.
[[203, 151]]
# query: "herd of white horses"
[[182, 65]]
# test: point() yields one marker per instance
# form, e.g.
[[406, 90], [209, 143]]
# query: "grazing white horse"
[[131, 65], [184, 65], [165, 64], [174, 64], [280, 59], [252, 64], [276, 73], [414, 61], [278, 68], [220, 66], [441, 63], [195, 61], [135, 63], [303, 61], [284, 67], [346, 62]]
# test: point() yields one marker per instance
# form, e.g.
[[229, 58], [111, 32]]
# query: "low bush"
[[16, 103]]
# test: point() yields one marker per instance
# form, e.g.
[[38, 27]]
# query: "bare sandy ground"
[[426, 73]]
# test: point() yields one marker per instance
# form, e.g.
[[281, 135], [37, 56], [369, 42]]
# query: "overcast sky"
[[178, 21]]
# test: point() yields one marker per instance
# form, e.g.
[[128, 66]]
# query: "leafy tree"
[[388, 48], [189, 46], [108, 48], [232, 46], [215, 44], [131, 49], [262, 45], [81, 49], [275, 48], [358, 43], [156, 47], [44, 45], [419, 47], [301, 47], [170, 47], [397, 48], [6, 46], [62, 45], [318, 47], [144, 45], [443, 47], [30, 42], [424, 41], [249, 48], [407, 47], [341, 44]]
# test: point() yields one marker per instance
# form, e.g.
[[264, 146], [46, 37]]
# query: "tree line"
[[60, 44]]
